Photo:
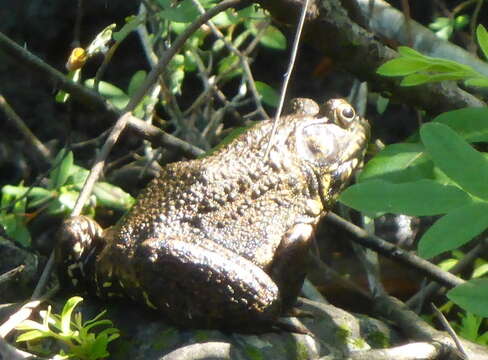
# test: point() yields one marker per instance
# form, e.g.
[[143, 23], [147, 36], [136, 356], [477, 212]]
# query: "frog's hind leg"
[[205, 285]]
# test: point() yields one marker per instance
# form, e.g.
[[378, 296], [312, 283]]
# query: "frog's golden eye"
[[345, 114]]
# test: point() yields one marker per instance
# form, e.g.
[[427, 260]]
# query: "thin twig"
[[42, 151], [284, 86], [9, 275], [242, 60], [177, 45], [449, 330], [80, 92], [77, 27]]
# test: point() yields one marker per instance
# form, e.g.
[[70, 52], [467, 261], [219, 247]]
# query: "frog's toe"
[[197, 286]]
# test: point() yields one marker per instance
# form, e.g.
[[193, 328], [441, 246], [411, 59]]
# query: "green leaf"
[[454, 229], [273, 38], [66, 314], [453, 155], [136, 81], [482, 37], [415, 79], [112, 196], [176, 71], [480, 271], [15, 228], [114, 94], [183, 12], [268, 95], [397, 163], [409, 52], [478, 81], [62, 96], [471, 296], [32, 335], [63, 164], [420, 198], [402, 66], [470, 123], [131, 24], [228, 66]]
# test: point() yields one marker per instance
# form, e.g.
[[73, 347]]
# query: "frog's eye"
[[345, 114]]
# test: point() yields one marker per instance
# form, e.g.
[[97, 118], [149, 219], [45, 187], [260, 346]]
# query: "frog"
[[222, 241]]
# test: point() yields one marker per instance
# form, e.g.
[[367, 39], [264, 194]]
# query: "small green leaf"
[[478, 81], [268, 95], [112, 196], [114, 94], [136, 81], [228, 66], [273, 38], [454, 229], [482, 37], [62, 96], [480, 271], [470, 123], [183, 12], [471, 296], [397, 163], [456, 158], [66, 314], [32, 335], [131, 24], [415, 79], [408, 198], [409, 52], [63, 164], [402, 66]]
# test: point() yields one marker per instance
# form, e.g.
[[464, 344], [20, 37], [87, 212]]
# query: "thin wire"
[[284, 86]]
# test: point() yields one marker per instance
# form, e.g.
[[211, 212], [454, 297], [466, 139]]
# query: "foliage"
[[238, 28], [73, 334], [417, 68], [444, 27], [440, 172], [57, 197]]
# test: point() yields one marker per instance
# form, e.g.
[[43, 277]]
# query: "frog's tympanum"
[[222, 241]]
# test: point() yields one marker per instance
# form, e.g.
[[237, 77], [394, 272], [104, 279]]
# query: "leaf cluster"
[[417, 68], [73, 334], [57, 197]]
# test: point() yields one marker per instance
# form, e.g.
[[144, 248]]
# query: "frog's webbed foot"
[[75, 248], [205, 285]]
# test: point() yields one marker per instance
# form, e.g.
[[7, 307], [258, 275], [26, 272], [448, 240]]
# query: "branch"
[[330, 30], [415, 328], [153, 75], [87, 96], [394, 252], [432, 288]]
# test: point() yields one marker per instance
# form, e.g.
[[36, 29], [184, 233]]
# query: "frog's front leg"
[[205, 285], [289, 265]]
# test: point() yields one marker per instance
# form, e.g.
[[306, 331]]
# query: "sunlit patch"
[[107, 284], [78, 248]]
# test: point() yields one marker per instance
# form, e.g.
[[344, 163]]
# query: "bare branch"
[[394, 252]]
